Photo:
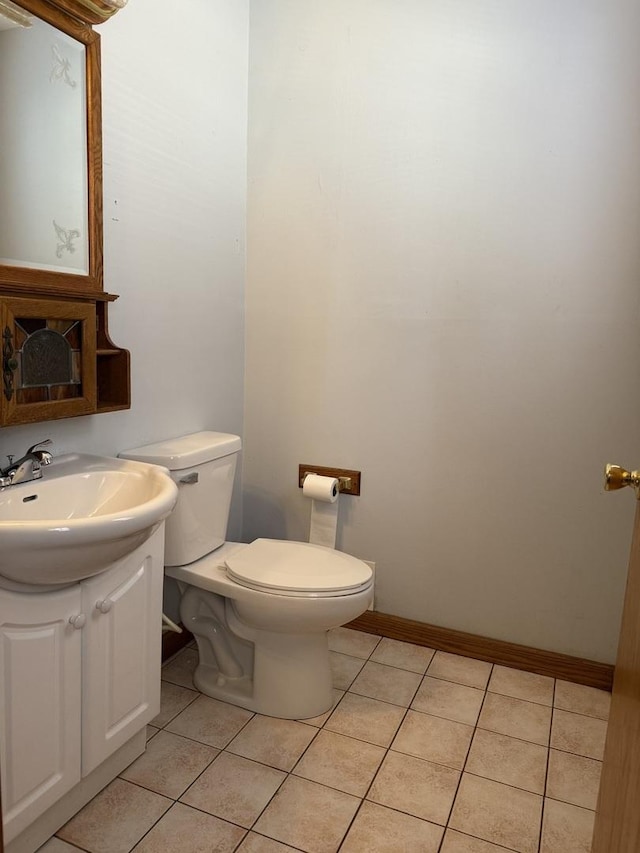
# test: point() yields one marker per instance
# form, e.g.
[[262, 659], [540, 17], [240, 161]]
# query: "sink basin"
[[85, 513]]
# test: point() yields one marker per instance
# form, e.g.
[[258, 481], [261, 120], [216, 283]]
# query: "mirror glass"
[[43, 144]]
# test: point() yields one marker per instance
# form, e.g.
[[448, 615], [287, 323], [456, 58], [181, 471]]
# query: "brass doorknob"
[[616, 477]]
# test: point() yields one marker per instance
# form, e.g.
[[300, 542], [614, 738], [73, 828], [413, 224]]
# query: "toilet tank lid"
[[187, 450]]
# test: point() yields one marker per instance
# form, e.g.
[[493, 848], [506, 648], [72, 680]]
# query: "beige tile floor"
[[424, 752]]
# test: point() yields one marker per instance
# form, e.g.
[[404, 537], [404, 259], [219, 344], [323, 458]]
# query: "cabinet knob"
[[78, 620], [104, 605]]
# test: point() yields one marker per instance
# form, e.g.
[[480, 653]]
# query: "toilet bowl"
[[260, 612]]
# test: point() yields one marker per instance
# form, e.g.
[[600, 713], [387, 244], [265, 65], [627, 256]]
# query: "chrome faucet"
[[28, 467]]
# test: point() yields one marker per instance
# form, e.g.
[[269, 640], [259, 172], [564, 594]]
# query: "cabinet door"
[[40, 653], [122, 651], [48, 359]]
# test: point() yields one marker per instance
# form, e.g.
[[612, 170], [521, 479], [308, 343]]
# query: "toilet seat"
[[297, 568]]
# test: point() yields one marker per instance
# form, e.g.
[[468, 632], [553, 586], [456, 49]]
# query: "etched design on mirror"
[[66, 239], [61, 68]]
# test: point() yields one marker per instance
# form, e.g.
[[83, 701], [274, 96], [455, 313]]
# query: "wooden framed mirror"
[[51, 214], [51, 164]]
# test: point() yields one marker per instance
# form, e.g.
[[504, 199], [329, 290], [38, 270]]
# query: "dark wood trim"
[[172, 642], [52, 292], [566, 667]]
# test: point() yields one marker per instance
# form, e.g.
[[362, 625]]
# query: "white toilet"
[[260, 612]]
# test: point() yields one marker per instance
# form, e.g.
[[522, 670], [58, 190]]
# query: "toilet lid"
[[297, 567]]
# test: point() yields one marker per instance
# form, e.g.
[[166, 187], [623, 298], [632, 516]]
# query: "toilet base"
[[291, 677]]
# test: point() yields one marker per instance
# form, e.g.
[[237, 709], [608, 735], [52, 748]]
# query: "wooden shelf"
[[104, 406]]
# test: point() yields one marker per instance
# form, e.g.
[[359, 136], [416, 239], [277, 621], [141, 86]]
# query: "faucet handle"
[[44, 443]]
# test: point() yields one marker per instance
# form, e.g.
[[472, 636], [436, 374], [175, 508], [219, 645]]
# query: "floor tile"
[[457, 842], [377, 829], [234, 788], [498, 813], [209, 721], [573, 779], [255, 843], [521, 685], [173, 699], [366, 719], [434, 739], [344, 669], [462, 670], [308, 816], [279, 743], [242, 799], [448, 700], [403, 655], [582, 700], [566, 828], [415, 786], [319, 721], [115, 820], [358, 644], [508, 760], [516, 718], [190, 831], [387, 683], [579, 734], [180, 669], [340, 762], [170, 764]]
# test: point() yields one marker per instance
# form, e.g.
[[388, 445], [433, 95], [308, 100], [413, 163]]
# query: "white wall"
[[174, 116], [442, 283], [442, 291]]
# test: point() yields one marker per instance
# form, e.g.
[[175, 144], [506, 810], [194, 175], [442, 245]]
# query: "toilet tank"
[[203, 465]]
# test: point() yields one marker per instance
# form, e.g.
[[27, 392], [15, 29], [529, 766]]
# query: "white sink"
[[85, 513]]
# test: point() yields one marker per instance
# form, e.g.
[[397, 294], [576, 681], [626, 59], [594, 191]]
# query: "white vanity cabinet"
[[80, 677]]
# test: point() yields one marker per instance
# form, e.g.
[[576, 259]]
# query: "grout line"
[[513, 737], [155, 823], [578, 714], [506, 784], [546, 774], [477, 838], [387, 749], [455, 796], [73, 846]]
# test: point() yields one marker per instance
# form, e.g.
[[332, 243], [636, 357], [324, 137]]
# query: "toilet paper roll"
[[321, 488], [324, 493]]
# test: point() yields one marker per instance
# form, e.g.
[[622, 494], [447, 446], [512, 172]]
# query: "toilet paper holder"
[[348, 479]]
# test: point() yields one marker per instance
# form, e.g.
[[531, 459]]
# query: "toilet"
[[260, 613]]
